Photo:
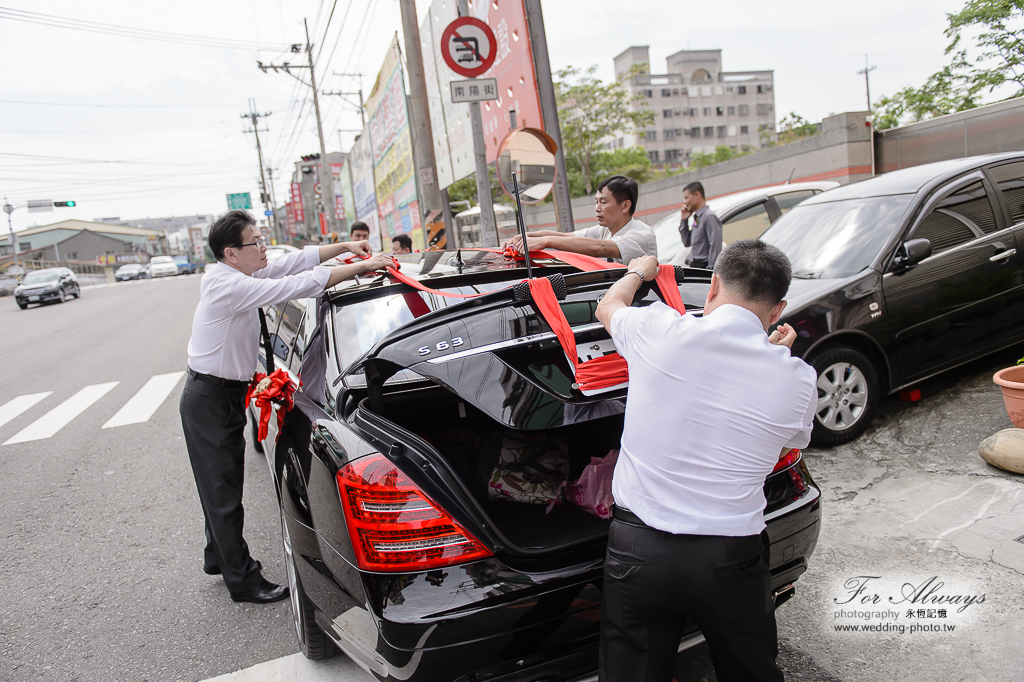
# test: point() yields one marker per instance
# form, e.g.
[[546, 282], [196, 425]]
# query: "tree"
[[791, 128], [465, 190], [630, 161], [589, 111], [721, 153], [962, 83]]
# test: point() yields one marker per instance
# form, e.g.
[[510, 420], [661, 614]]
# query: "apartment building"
[[697, 105]]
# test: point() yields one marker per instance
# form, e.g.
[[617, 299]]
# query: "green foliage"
[[791, 128], [721, 153], [590, 110], [962, 83], [631, 162], [465, 190]]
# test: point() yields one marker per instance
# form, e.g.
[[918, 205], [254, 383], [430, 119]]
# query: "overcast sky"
[[139, 128]]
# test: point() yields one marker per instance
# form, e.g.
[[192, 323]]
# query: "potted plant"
[[1011, 381]]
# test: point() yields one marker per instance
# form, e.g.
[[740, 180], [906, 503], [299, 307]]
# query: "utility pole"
[[488, 226], [871, 117], [267, 197], [549, 111], [419, 124], [281, 236], [326, 179], [362, 109], [8, 209]]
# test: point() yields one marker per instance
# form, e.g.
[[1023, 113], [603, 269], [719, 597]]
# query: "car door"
[[967, 297], [747, 223], [1009, 179]]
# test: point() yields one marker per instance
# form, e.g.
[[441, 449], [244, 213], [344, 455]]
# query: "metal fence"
[[77, 268]]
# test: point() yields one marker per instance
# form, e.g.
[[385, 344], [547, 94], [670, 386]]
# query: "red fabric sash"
[[280, 391], [607, 371]]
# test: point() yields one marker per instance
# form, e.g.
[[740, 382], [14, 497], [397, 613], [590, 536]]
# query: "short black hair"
[[757, 271], [358, 226], [696, 188], [227, 231], [404, 240], [622, 188]]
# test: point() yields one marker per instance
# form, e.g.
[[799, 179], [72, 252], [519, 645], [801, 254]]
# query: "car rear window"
[[837, 238]]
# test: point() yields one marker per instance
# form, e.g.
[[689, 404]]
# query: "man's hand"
[[379, 262], [784, 335], [361, 248], [648, 265], [536, 243]]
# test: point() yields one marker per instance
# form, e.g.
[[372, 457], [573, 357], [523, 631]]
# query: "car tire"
[[78, 292], [254, 424], [314, 643], [22, 305], [847, 395], [63, 295]]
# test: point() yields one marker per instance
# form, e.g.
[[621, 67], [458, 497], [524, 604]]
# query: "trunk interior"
[[472, 443]]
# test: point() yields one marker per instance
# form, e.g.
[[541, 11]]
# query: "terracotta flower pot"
[[1011, 380]]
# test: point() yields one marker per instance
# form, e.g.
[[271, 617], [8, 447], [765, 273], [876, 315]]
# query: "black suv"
[[901, 277], [395, 553], [47, 286]]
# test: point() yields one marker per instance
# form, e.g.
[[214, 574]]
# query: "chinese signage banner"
[[364, 196], [394, 182], [298, 214]]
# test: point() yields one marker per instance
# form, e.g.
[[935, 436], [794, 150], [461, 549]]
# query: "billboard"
[[298, 215], [344, 202], [391, 143], [363, 193], [512, 68]]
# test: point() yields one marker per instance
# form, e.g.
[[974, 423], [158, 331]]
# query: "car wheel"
[[313, 642], [847, 395], [254, 424], [78, 291], [22, 305], [63, 295]]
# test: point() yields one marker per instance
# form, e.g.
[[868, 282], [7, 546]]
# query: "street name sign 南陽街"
[[478, 90], [240, 200], [468, 46], [40, 205]]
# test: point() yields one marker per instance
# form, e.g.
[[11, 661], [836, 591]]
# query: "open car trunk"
[[462, 389]]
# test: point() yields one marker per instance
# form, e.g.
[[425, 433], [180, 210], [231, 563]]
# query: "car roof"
[[725, 202], [433, 269], [911, 180]]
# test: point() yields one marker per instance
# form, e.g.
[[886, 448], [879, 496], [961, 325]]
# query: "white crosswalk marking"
[[144, 403], [13, 408], [60, 416]]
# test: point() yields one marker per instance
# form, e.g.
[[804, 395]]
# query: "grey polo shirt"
[[706, 237]]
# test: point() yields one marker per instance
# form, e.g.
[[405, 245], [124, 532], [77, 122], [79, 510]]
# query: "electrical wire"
[[127, 31]]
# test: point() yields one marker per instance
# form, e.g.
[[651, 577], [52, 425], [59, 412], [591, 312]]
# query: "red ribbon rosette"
[[280, 391]]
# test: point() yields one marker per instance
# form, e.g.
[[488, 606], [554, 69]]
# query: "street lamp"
[[8, 209]]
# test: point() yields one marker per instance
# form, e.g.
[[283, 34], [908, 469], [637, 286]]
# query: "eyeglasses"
[[259, 242]]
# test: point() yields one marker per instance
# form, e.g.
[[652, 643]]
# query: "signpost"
[[477, 90], [468, 46], [241, 200]]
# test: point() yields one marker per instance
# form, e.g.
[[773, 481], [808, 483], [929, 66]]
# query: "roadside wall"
[[841, 152], [986, 130]]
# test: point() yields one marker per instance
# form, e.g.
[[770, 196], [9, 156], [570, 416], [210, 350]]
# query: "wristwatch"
[[638, 274]]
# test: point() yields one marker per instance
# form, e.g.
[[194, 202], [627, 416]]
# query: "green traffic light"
[[63, 203]]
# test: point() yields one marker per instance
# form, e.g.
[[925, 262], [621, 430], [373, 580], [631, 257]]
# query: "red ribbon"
[[609, 370], [280, 391]]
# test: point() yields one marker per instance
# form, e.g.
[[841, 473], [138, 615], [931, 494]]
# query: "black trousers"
[[213, 418], [654, 580]]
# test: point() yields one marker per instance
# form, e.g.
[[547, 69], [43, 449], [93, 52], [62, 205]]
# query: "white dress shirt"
[[634, 239], [226, 327], [711, 404]]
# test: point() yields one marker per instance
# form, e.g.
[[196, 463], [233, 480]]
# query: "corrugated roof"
[[80, 225]]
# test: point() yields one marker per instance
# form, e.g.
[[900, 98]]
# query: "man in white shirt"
[[222, 357], [713, 403], [617, 235]]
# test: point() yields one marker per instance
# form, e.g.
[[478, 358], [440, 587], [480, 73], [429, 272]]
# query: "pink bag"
[[593, 491]]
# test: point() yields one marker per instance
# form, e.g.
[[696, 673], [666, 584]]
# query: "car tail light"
[[787, 460], [394, 526]]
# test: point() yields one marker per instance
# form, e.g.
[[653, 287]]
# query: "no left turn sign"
[[468, 46]]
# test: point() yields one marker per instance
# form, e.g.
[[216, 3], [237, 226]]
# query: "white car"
[[744, 215], [162, 266], [278, 250]]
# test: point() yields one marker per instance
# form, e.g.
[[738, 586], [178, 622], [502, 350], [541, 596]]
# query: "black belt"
[[217, 381], [625, 516]]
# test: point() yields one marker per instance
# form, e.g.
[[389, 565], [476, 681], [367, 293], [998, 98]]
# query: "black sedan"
[[130, 271], [901, 277], [396, 552], [47, 286]]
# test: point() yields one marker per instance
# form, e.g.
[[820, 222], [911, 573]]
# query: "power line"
[[117, 106], [327, 28], [126, 31]]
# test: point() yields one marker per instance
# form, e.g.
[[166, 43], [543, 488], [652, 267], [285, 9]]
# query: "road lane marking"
[[297, 668], [13, 408], [59, 417], [144, 403]]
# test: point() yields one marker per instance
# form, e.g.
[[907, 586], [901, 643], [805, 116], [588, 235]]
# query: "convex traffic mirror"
[[530, 153]]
